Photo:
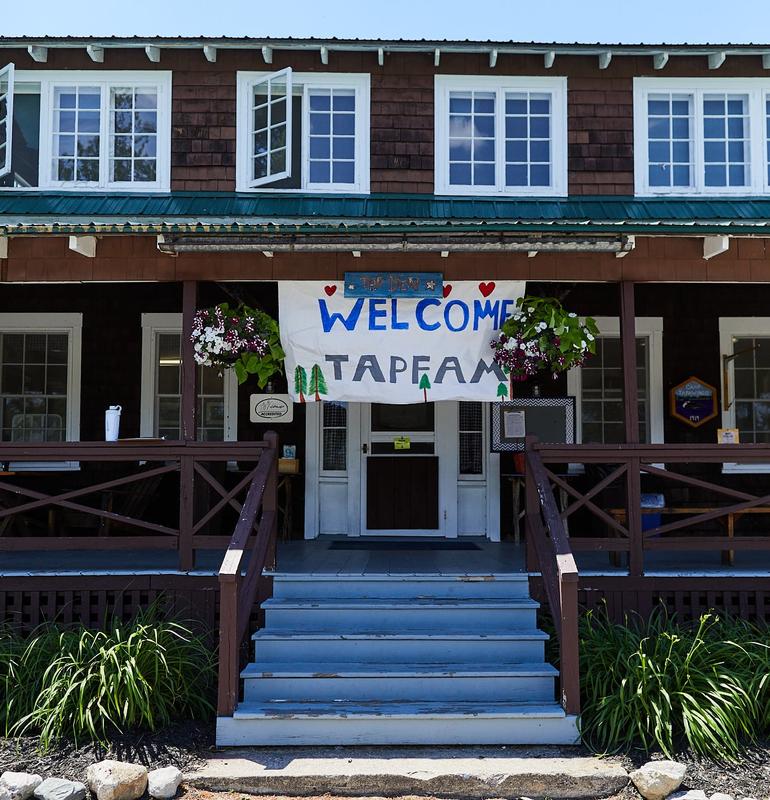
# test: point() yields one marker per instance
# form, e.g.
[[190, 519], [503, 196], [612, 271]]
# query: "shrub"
[[659, 683], [88, 684]]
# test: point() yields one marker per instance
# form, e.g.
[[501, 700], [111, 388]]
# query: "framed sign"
[[394, 284], [551, 419], [693, 402], [271, 408]]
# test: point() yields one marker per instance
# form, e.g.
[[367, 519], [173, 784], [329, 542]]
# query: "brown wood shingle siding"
[[402, 143]]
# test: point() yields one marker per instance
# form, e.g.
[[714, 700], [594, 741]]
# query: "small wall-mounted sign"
[[728, 436], [271, 408], [402, 443], [693, 402], [394, 284]]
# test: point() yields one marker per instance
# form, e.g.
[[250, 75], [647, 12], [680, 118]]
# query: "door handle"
[[364, 448]]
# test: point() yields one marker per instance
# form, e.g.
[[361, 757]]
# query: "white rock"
[[59, 789], [721, 796], [163, 783], [657, 779], [117, 780], [19, 785], [692, 794]]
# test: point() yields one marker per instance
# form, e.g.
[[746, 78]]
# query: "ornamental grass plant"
[[71, 682], [662, 684]]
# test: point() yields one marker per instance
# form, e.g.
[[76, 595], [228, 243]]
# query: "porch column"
[[189, 409], [631, 421]]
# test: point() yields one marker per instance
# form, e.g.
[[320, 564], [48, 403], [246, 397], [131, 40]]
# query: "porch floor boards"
[[316, 557]]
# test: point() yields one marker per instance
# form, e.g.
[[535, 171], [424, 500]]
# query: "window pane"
[[134, 128], [269, 113], [470, 438], [33, 387], [602, 391], [725, 147], [76, 134], [332, 136], [472, 138], [669, 148], [752, 388], [334, 436], [528, 139]]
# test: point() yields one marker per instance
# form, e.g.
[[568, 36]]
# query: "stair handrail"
[[238, 588], [550, 542]]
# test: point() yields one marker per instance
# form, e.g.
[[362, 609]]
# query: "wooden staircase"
[[398, 659]]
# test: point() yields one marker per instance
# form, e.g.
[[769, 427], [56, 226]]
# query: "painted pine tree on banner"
[[317, 382], [425, 385], [300, 382], [502, 390]]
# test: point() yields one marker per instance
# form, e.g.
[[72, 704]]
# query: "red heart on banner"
[[447, 289], [487, 288], [330, 290]]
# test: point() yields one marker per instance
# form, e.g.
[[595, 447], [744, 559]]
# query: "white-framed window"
[[501, 135], [470, 444], [90, 129], [747, 374], [161, 411], [706, 136], [598, 385], [334, 437], [40, 361], [303, 131], [6, 118]]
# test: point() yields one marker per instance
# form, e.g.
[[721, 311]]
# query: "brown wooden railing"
[[702, 501], [239, 582], [548, 538], [118, 517]]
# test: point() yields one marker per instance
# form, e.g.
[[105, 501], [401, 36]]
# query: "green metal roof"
[[191, 212]]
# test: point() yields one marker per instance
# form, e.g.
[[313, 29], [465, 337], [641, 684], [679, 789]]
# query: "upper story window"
[[303, 131], [701, 135], [505, 136], [75, 130]]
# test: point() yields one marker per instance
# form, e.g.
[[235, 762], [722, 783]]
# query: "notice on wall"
[[514, 424], [396, 349]]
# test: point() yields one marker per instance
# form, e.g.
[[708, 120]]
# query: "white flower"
[[509, 345], [531, 310], [590, 337], [572, 314], [583, 345]]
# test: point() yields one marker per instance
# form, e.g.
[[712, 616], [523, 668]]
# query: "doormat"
[[370, 544]]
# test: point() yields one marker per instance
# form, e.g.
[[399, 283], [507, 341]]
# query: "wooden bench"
[[730, 518]]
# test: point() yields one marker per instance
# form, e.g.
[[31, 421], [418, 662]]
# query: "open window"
[[303, 131], [6, 118]]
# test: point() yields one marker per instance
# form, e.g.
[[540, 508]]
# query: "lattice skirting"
[[688, 598]]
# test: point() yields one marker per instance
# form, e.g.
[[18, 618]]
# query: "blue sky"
[[626, 21]]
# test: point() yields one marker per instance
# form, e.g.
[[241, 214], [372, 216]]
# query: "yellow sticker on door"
[[402, 443]]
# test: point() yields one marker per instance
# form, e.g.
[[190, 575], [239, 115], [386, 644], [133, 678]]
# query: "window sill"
[[734, 468], [89, 189], [347, 190], [540, 192]]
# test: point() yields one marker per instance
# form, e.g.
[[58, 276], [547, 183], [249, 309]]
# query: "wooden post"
[[631, 424], [532, 502], [628, 355], [270, 497], [229, 668], [189, 367], [189, 403], [569, 645]]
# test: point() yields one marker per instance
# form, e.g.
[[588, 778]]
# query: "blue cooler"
[[651, 521]]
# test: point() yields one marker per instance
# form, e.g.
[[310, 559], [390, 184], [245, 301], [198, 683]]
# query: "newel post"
[[532, 500], [270, 496], [189, 402], [229, 646]]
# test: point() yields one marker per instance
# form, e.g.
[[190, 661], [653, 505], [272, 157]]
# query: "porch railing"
[[548, 538], [239, 580], [696, 493], [121, 524]]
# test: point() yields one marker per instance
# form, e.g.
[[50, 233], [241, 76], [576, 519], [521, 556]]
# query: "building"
[[144, 179]]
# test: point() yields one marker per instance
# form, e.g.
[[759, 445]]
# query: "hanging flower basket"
[[243, 339], [542, 336]]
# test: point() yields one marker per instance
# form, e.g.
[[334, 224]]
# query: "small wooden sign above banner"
[[394, 284]]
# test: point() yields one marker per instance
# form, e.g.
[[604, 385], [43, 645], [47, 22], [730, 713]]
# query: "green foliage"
[[74, 682], [266, 365], [543, 335], [662, 684]]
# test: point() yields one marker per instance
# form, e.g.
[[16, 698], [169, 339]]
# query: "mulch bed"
[[184, 745]]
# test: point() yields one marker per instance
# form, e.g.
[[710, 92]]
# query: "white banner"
[[394, 350]]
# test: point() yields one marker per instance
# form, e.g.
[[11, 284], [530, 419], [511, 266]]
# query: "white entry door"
[[446, 483], [408, 469]]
